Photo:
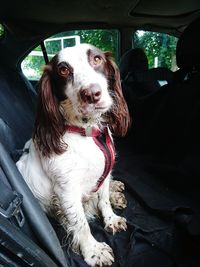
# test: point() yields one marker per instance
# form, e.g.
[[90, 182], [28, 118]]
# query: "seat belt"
[[19, 249], [10, 204], [38, 221]]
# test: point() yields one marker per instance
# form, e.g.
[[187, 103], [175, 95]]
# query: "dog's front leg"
[[95, 253], [113, 223]]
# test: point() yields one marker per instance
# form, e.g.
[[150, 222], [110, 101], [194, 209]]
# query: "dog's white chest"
[[84, 160]]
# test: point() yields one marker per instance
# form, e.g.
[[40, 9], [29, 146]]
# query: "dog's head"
[[80, 86]]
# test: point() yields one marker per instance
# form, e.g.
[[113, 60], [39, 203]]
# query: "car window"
[[160, 48], [107, 40]]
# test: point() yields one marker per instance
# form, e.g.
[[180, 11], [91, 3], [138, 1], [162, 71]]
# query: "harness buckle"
[[88, 131], [14, 210]]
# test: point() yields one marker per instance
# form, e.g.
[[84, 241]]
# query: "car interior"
[[158, 159]]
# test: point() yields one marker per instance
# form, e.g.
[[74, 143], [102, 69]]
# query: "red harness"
[[103, 140]]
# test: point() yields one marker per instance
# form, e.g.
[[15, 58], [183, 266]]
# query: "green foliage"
[[158, 45], [53, 47], [1, 30], [107, 40], [32, 65]]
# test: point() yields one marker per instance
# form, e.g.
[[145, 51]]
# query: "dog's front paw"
[[115, 224], [116, 186], [98, 254], [118, 200]]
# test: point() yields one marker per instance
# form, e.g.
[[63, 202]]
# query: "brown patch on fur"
[[49, 123], [118, 118]]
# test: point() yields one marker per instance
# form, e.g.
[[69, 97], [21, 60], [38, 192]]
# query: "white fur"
[[84, 76], [71, 176]]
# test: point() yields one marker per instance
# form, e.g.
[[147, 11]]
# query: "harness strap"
[[103, 140]]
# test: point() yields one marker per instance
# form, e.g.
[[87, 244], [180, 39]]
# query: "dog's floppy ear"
[[118, 117], [49, 123]]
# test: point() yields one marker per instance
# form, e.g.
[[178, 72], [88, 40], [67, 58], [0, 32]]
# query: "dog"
[[71, 153]]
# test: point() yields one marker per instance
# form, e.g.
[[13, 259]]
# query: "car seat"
[[137, 79], [25, 231], [162, 161], [134, 59]]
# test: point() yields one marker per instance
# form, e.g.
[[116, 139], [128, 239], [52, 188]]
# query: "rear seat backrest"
[[17, 109], [137, 79], [168, 120], [161, 75], [187, 52], [132, 60]]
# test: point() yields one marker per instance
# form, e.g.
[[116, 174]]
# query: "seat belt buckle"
[[14, 210]]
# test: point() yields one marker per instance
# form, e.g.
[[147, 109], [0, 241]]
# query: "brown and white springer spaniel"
[[71, 154]]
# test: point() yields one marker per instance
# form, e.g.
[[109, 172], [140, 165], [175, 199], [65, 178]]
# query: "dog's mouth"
[[93, 109], [83, 112], [103, 108]]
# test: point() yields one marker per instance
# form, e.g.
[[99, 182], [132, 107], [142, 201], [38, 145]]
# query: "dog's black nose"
[[92, 94]]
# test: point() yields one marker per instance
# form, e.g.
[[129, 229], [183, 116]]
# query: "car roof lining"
[[30, 22], [123, 13], [168, 8]]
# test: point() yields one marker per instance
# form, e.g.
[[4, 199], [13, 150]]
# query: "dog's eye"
[[97, 60], [64, 71]]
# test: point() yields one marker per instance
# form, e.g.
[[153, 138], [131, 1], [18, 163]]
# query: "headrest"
[[132, 60], [188, 47]]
